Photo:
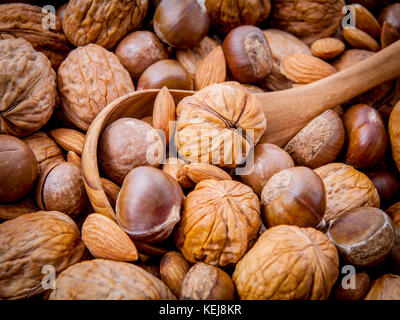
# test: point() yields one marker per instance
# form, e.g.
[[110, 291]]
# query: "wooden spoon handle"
[[288, 111]]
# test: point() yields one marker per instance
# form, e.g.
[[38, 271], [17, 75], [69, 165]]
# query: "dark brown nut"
[[307, 19], [139, 50], [346, 189], [151, 265], [327, 48], [281, 44], [60, 188], [97, 280], [364, 237], [181, 24], [225, 113], [268, 160], [26, 21], [18, 168], [28, 86], [44, 148], [361, 282], [111, 189], [360, 40], [88, 80], [165, 73], [173, 268], [29, 243], [204, 171], [288, 262], [206, 282], [15, 209], [220, 219], [318, 143], [253, 88], [366, 136], [387, 185], [294, 196], [386, 287], [391, 14], [395, 254], [126, 144], [248, 54], [227, 15], [174, 167], [366, 21], [103, 22], [389, 35], [149, 204]]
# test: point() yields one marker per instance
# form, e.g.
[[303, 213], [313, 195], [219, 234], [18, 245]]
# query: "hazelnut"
[[128, 143], [174, 167], [361, 281], [206, 282], [18, 168], [386, 287], [363, 236], [139, 50], [149, 204], [268, 160], [366, 136], [294, 196], [391, 14], [386, 183], [247, 54], [165, 73], [181, 24], [173, 268]]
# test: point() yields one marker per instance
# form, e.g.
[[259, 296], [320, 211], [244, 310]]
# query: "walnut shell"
[[394, 134], [28, 87], [109, 280], [219, 221], [88, 80], [288, 262], [386, 287], [30, 242], [394, 212]]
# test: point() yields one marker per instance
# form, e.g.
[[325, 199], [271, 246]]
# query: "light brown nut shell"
[[386, 287], [394, 134]]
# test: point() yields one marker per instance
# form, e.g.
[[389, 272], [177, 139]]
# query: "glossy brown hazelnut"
[[149, 204], [139, 50], [175, 168], [165, 73], [206, 282], [247, 54], [366, 136], [268, 160], [364, 237], [126, 144], [361, 283], [60, 188], [386, 183], [391, 14], [173, 268], [294, 196], [181, 24], [18, 168]]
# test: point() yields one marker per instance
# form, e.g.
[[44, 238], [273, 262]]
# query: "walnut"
[[220, 219], [27, 86], [89, 79], [219, 125], [310, 20], [288, 262], [104, 22], [386, 287]]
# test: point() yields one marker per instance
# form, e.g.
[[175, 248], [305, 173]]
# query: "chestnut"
[[268, 160], [294, 196], [247, 54], [391, 14], [386, 183], [181, 24], [149, 204], [363, 236], [361, 282], [366, 136], [139, 50], [18, 168], [165, 73]]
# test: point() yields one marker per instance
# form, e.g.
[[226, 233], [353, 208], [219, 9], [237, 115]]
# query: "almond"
[[164, 113], [106, 240], [173, 268], [68, 139], [174, 167], [389, 35], [327, 48], [211, 70], [111, 190], [302, 68], [360, 39], [73, 157], [366, 21], [202, 171]]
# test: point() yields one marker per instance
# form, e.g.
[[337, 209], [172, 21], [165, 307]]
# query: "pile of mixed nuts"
[[136, 161]]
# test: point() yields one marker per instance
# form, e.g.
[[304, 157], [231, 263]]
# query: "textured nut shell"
[[88, 80], [105, 239], [109, 280], [211, 70], [394, 212], [360, 39], [346, 188], [288, 262], [52, 237], [69, 139], [173, 268], [202, 171], [394, 134], [174, 167], [327, 48], [16, 209], [219, 221], [386, 287], [102, 22], [25, 21], [28, 88]]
